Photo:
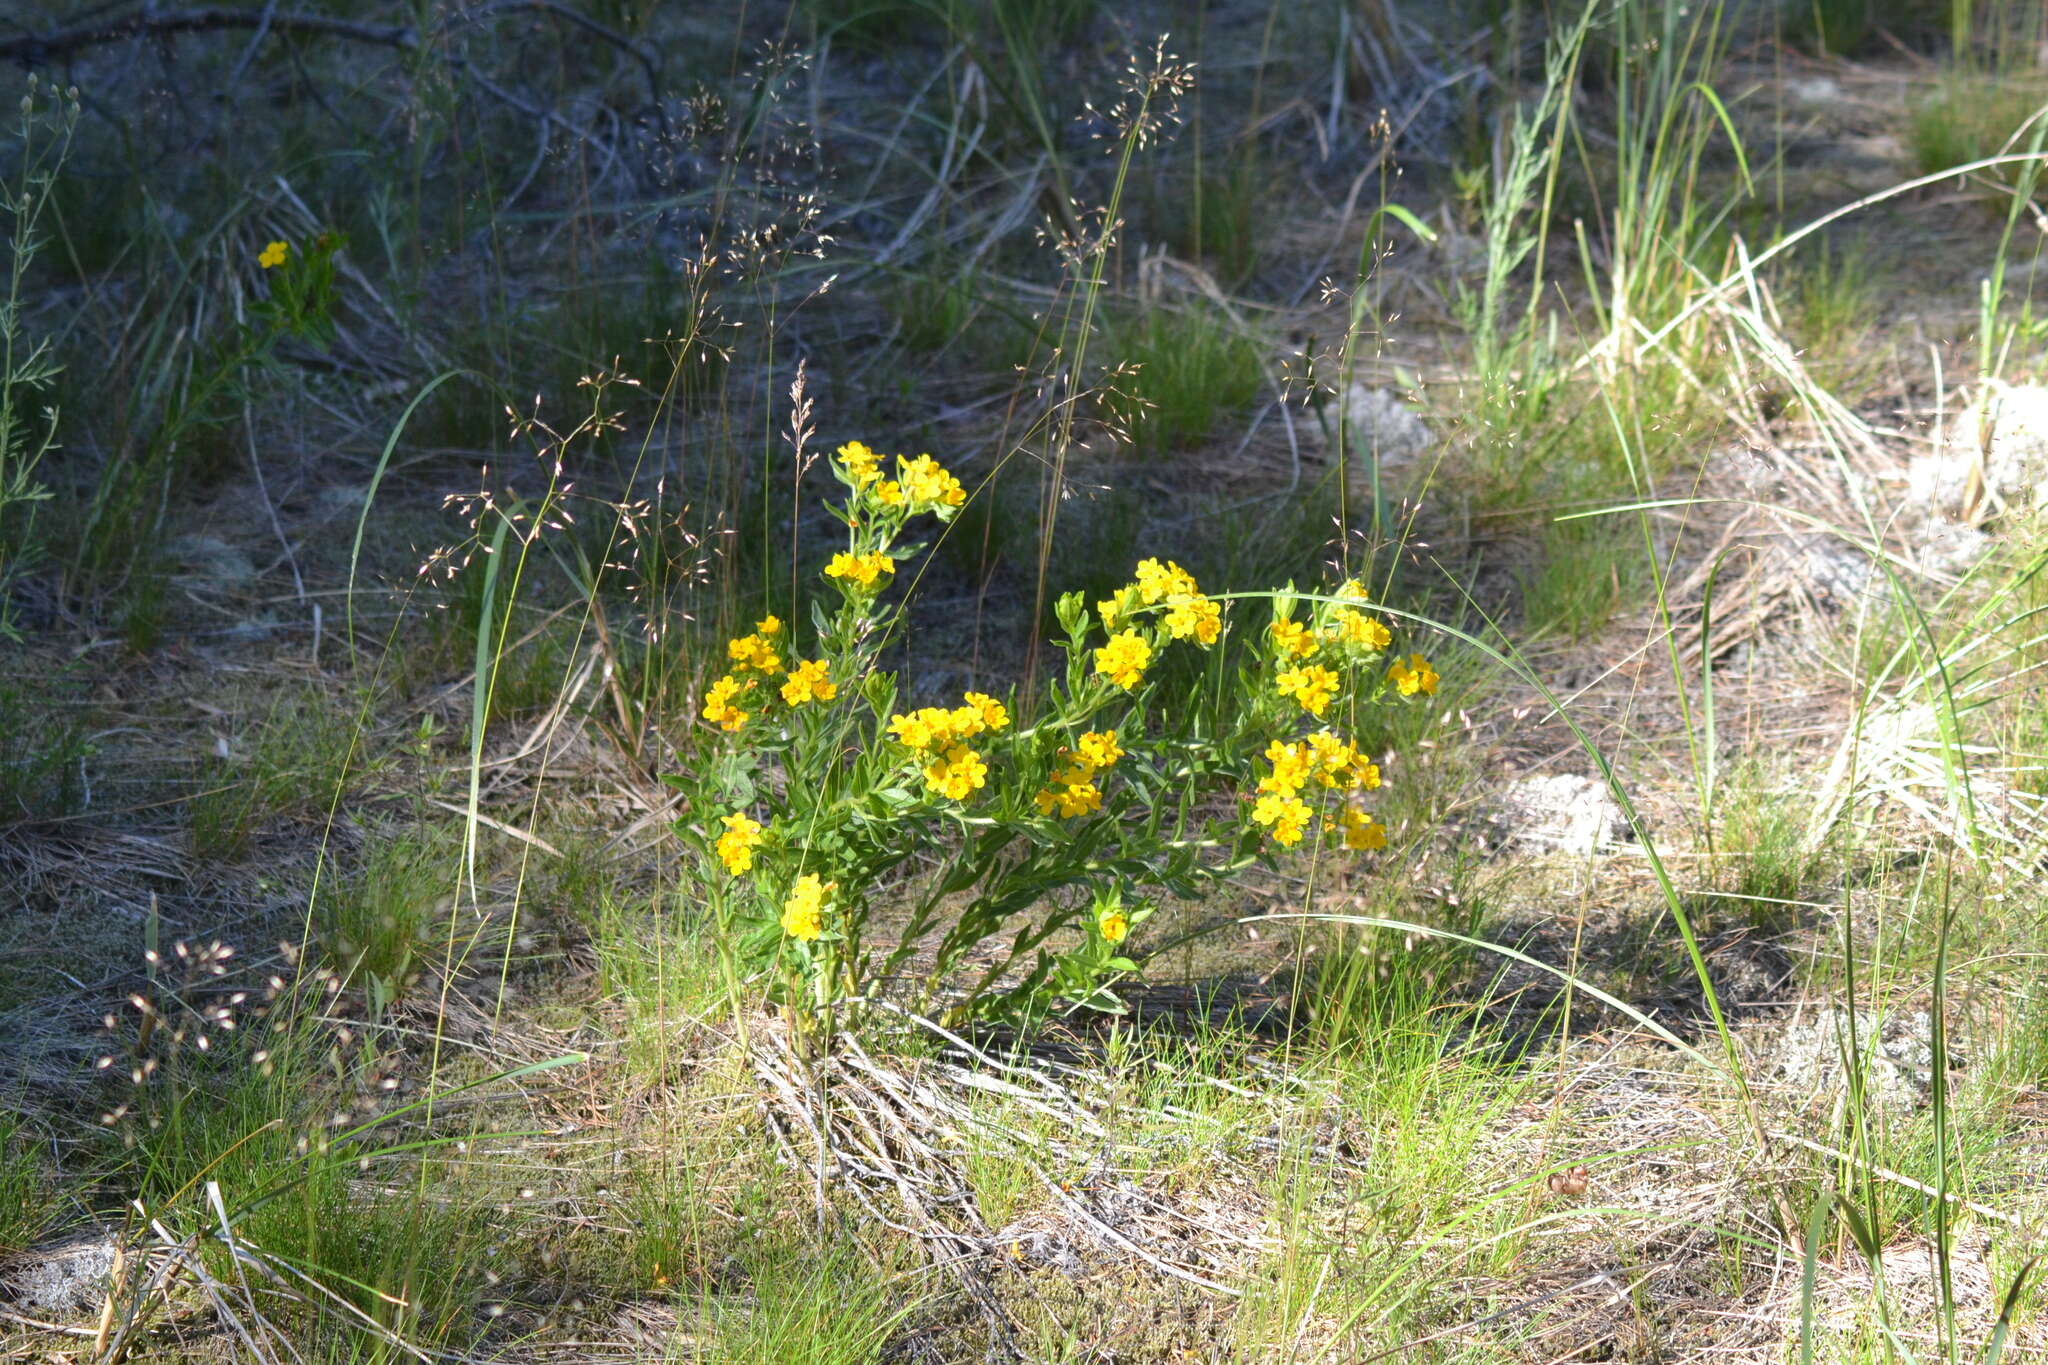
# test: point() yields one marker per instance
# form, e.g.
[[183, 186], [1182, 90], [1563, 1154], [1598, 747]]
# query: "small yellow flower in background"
[[1313, 687], [1124, 659], [862, 570], [754, 651], [1411, 675], [1099, 749], [803, 914], [860, 463], [1113, 924], [958, 775], [1285, 816], [1291, 766], [1361, 831], [807, 682], [1352, 591], [927, 484], [992, 713], [736, 846], [1197, 616], [769, 625], [1292, 638], [1356, 628], [1157, 581], [718, 707], [273, 255]]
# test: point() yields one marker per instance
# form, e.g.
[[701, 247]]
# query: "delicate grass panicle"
[[1053, 829]]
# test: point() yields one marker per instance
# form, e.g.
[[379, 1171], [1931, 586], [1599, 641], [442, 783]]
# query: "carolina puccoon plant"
[[1011, 857]]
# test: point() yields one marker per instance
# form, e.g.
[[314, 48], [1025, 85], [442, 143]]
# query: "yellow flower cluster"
[[1073, 790], [955, 770], [935, 727], [1190, 615], [273, 255], [1313, 685], [803, 914], [807, 682], [958, 775], [861, 570], [1330, 760], [1292, 639], [1361, 831], [920, 485], [756, 651], [862, 465], [1411, 675], [1339, 764], [736, 846], [1113, 924], [718, 702], [1286, 815], [1124, 659], [1353, 628]]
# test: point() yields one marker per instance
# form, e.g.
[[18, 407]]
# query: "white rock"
[[62, 1278], [1814, 90], [212, 558], [1896, 1055], [1565, 812], [1378, 423]]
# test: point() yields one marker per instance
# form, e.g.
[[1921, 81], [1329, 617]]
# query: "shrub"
[[1055, 821]]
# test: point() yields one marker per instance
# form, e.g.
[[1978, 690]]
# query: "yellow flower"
[[768, 625], [1361, 831], [927, 484], [1077, 794], [736, 846], [927, 727], [860, 463], [803, 914], [1356, 628], [958, 774], [1312, 686], [889, 493], [754, 651], [1286, 816], [1292, 638], [1197, 616], [861, 570], [1339, 764], [1352, 591], [1113, 924], [272, 255], [992, 713], [1117, 606], [807, 682], [1291, 766], [1099, 749], [718, 707], [1158, 581], [1411, 675], [1123, 660]]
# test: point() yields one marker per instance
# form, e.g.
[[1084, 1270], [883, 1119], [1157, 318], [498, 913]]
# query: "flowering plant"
[[1011, 854]]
